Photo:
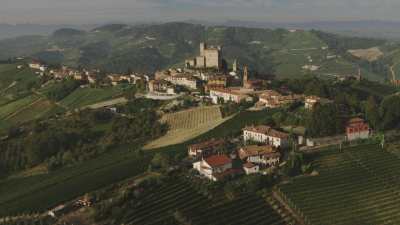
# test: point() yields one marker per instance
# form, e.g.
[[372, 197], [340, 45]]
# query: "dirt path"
[[108, 103]]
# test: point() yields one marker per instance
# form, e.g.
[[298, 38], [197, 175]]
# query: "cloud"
[[83, 11]]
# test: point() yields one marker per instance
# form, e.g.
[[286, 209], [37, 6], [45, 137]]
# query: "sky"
[[102, 11]]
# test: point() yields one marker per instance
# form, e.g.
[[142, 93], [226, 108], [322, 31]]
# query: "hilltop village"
[[207, 80], [205, 130]]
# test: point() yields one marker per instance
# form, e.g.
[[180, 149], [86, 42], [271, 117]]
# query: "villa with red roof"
[[267, 135], [215, 167], [357, 128]]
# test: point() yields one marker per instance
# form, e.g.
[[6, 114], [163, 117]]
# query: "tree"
[[372, 112], [324, 121], [160, 161], [390, 112]]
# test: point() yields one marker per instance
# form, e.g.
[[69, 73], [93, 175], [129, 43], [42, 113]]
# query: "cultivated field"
[[160, 206], [358, 186], [188, 124]]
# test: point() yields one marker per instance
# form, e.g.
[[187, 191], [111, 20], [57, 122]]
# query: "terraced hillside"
[[357, 186], [163, 205]]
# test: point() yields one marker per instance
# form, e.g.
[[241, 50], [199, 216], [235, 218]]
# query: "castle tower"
[[203, 46], [235, 66], [245, 76]]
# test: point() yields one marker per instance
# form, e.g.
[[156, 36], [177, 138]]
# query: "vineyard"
[[179, 201], [357, 186], [188, 124]]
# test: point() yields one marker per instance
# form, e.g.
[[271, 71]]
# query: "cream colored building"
[[265, 134], [183, 80], [228, 95]]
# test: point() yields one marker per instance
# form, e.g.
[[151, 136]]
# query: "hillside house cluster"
[[205, 149], [273, 99], [259, 157]]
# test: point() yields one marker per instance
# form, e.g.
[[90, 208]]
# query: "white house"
[[265, 134], [214, 167], [250, 168]]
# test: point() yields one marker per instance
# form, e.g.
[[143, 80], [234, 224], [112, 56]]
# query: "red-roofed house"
[[214, 167], [205, 149], [357, 128], [265, 156], [265, 134]]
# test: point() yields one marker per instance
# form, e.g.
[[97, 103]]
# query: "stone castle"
[[209, 58]]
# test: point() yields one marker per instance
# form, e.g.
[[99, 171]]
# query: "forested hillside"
[[146, 48]]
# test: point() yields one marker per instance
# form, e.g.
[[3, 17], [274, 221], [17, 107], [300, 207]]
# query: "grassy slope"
[[45, 191], [88, 96]]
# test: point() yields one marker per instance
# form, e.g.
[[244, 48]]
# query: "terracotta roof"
[[207, 144], [267, 130], [218, 160], [356, 120], [255, 150], [249, 165]]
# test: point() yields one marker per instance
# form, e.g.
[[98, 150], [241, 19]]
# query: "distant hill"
[[16, 30], [147, 48]]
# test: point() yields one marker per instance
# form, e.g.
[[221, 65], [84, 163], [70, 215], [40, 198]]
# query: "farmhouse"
[[215, 167], [357, 128], [205, 149], [311, 101], [264, 156], [228, 95], [265, 134]]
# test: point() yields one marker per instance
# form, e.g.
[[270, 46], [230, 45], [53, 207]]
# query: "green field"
[[358, 186], [13, 107], [161, 204], [87, 96], [44, 191]]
